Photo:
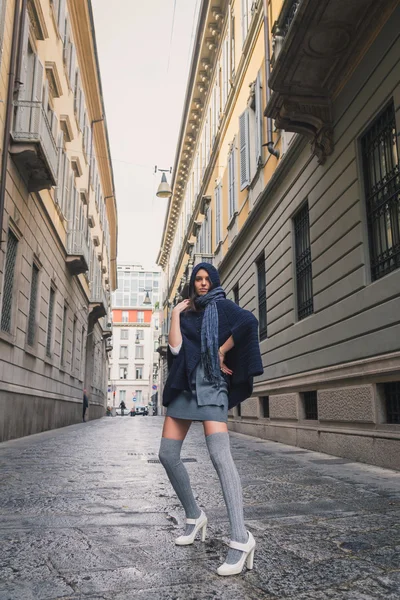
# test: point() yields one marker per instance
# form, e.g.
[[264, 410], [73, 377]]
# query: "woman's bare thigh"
[[211, 427], [175, 429]]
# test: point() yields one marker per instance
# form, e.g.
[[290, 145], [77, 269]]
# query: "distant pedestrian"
[[213, 355], [85, 405]]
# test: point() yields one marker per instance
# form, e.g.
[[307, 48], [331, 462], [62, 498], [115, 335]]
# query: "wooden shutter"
[[217, 214], [244, 149], [67, 170], [259, 119], [61, 18], [54, 126], [244, 21], [72, 65], [209, 231], [60, 169]]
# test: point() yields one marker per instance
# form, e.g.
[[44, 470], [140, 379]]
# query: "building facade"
[[133, 358], [58, 217], [287, 180]]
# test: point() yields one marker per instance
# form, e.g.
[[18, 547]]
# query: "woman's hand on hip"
[[224, 368], [181, 307]]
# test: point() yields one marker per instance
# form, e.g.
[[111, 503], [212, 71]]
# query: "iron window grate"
[[392, 398], [12, 247], [311, 405], [50, 321], [262, 297], [32, 305], [305, 301], [265, 406], [382, 189]]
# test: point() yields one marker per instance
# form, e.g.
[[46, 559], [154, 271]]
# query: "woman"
[[213, 355]]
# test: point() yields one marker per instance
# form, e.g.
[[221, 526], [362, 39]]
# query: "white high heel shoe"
[[248, 555], [199, 523]]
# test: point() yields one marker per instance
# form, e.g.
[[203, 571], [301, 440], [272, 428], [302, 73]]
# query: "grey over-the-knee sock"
[[170, 458], [220, 453]]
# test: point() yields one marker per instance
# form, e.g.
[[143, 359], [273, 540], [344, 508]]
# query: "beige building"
[[58, 217], [287, 179]]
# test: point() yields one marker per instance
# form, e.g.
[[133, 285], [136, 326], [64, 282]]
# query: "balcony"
[[163, 344], [316, 46], [33, 147], [77, 252], [98, 305], [199, 258]]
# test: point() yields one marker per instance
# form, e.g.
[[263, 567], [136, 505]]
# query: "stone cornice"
[[231, 100]]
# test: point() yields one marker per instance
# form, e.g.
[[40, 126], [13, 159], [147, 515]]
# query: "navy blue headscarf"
[[209, 328]]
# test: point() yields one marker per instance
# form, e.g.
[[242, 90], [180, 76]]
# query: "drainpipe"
[[270, 143], [16, 45]]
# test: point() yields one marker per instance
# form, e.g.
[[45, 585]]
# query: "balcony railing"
[[162, 344], [198, 258], [34, 149], [98, 301], [77, 252]]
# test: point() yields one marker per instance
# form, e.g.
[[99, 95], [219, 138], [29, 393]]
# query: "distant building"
[[58, 217], [133, 358]]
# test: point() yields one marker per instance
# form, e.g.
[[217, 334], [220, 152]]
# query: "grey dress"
[[190, 405]]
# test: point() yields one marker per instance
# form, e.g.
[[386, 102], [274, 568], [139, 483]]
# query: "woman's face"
[[202, 283]]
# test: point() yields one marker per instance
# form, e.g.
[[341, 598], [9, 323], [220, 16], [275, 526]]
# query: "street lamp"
[[164, 189]]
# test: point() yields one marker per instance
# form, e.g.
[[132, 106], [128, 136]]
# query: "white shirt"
[[175, 349]]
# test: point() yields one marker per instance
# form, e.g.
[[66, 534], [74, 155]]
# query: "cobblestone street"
[[87, 512]]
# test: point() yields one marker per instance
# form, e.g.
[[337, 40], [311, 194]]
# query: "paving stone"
[[84, 515]]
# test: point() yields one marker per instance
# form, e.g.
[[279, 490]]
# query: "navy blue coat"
[[244, 359]]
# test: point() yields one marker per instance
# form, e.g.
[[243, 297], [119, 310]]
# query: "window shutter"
[[244, 21], [45, 97], [244, 150], [217, 215], [64, 201], [61, 18], [56, 7], [60, 170], [72, 65], [24, 93], [81, 109], [54, 126], [209, 231], [259, 122]]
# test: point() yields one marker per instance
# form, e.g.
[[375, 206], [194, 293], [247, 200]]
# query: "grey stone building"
[[318, 260]]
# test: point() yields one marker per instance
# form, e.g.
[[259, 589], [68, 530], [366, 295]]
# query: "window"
[[262, 296], [382, 190], [123, 352], [8, 300], [232, 191], [156, 345], [123, 372], [63, 335], [138, 395], [310, 405], [218, 227], [73, 343], [139, 352], [235, 292], [138, 372], [305, 303], [50, 318], [265, 406], [392, 401], [244, 149], [139, 334], [125, 316], [122, 395], [140, 317], [124, 334], [32, 306]]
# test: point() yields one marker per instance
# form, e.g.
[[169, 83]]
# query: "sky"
[[144, 74]]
